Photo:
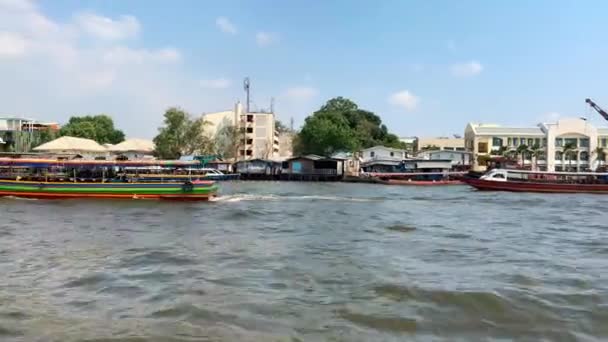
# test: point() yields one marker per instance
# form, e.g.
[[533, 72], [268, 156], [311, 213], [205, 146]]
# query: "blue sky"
[[426, 67]]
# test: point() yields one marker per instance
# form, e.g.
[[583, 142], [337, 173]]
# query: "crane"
[[597, 108]]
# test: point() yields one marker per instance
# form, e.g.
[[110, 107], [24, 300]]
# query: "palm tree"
[[601, 155], [536, 152], [522, 150], [568, 150]]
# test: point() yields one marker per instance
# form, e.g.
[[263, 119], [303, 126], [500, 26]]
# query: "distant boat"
[[541, 181]]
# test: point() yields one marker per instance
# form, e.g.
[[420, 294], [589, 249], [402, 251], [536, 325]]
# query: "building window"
[[392, 154], [530, 142], [509, 142], [249, 118], [460, 149], [537, 142], [544, 142], [584, 142], [482, 147], [496, 142], [558, 155], [584, 156], [242, 152], [249, 129], [515, 142], [604, 142], [522, 141], [571, 141], [559, 142], [249, 152], [249, 141], [372, 154]]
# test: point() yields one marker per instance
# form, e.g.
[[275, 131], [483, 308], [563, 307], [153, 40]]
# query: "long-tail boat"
[[541, 181], [54, 179]]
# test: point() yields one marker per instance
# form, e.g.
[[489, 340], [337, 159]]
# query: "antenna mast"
[[246, 87], [272, 105]]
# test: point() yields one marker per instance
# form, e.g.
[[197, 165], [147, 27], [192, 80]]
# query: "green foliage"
[[46, 135], [431, 148], [340, 125], [601, 154], [227, 141], [181, 135], [99, 128]]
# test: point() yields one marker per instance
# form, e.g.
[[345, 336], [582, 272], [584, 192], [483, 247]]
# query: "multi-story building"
[[257, 137], [441, 143], [583, 143]]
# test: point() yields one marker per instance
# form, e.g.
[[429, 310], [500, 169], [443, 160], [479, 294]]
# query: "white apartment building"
[[258, 136], [586, 139]]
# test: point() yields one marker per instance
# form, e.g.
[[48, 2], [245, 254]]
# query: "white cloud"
[[101, 27], [80, 66], [468, 69], [300, 93], [12, 45], [266, 38], [218, 83], [225, 25], [404, 99], [16, 5]]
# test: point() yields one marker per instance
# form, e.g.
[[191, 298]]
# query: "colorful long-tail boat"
[[54, 179]]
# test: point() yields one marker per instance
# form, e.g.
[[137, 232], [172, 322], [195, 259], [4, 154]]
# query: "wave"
[[16, 198], [252, 197]]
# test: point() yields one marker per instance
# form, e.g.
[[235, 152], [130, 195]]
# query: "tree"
[[523, 150], [340, 125], [99, 128], [181, 135], [601, 155], [46, 135], [536, 151], [567, 151], [431, 148], [227, 141]]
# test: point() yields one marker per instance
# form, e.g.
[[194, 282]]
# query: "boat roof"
[[553, 172], [32, 162]]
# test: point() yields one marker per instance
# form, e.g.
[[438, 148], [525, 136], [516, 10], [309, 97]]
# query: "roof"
[[67, 143], [382, 162], [384, 148], [509, 130], [444, 151], [492, 129], [134, 145], [602, 131], [309, 157]]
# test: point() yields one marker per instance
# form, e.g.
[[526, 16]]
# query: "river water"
[[271, 261]]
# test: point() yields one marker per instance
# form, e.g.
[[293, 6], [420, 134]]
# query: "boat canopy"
[[94, 163]]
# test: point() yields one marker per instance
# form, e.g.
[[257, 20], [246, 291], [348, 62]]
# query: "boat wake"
[[16, 198], [251, 197]]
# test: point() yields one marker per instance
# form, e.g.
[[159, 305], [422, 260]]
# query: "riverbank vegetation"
[[341, 126]]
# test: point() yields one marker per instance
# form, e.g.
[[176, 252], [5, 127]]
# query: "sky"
[[427, 68]]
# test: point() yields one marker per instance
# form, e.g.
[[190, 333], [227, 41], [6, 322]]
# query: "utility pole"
[[246, 87]]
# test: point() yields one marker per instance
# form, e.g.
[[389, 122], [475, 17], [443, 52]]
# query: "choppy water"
[[307, 262]]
